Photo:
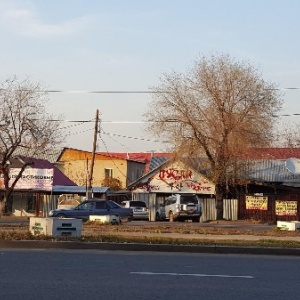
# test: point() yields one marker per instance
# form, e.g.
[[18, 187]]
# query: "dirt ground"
[[223, 227]]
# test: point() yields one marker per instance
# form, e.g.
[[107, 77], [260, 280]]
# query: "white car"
[[180, 207], [140, 209]]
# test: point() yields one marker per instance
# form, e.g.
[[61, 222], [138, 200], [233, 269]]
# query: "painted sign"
[[286, 208], [257, 202], [31, 179], [178, 178]]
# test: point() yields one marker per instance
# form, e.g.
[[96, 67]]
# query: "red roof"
[[138, 156], [272, 153]]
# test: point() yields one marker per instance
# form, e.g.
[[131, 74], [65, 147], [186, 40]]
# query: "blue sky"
[[95, 45]]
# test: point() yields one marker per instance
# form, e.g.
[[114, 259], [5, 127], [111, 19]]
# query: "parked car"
[[179, 207], [140, 209], [94, 207]]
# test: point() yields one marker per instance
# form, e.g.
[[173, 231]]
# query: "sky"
[[122, 48]]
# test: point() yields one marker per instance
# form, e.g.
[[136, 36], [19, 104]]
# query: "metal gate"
[[230, 209]]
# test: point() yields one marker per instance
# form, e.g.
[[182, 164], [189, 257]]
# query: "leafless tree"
[[214, 112], [24, 123], [287, 135]]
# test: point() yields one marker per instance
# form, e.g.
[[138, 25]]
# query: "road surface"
[[91, 274]]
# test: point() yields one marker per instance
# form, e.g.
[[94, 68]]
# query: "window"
[[85, 206], [113, 204], [101, 205], [137, 204], [31, 202], [170, 201], [109, 173], [188, 199]]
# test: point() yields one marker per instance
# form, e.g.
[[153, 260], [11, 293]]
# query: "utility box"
[[55, 227], [106, 219], [290, 226]]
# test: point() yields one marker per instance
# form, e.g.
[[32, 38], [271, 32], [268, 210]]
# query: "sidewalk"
[[242, 237], [101, 246], [212, 247]]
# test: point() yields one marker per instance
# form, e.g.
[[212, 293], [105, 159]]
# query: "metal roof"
[[77, 189], [51, 155], [271, 171], [156, 162]]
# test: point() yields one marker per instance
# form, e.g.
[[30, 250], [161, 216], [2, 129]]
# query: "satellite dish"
[[293, 165]]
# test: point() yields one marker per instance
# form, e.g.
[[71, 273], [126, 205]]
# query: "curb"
[[213, 249]]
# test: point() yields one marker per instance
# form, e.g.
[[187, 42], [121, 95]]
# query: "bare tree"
[[215, 111], [24, 123], [288, 135]]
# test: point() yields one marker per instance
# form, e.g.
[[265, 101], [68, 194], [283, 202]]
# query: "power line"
[[79, 132], [113, 139], [127, 92], [134, 138], [139, 122], [112, 158], [89, 92], [103, 92]]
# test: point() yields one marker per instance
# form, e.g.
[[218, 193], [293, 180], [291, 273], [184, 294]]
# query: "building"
[[37, 191], [169, 178], [76, 164]]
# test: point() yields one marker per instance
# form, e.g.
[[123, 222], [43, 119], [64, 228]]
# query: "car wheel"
[[171, 217], [197, 219], [60, 216]]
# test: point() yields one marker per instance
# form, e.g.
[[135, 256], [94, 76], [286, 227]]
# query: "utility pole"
[[90, 173]]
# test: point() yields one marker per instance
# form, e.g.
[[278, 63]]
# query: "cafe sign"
[[256, 202], [286, 208]]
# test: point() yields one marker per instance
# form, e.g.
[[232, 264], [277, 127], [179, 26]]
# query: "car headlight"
[[51, 213]]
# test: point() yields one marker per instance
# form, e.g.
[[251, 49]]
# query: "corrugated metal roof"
[[77, 189], [271, 171], [50, 155], [156, 162]]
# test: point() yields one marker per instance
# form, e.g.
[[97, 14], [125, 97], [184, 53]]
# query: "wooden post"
[[90, 179]]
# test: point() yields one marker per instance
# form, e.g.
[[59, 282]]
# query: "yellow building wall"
[[75, 163]]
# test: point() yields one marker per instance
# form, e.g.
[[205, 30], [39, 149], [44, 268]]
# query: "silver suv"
[[140, 209], [180, 208]]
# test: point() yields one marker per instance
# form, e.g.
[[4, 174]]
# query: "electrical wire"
[[112, 158], [134, 138], [125, 147], [127, 92], [135, 122]]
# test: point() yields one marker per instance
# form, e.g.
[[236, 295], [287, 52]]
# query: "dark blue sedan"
[[94, 207]]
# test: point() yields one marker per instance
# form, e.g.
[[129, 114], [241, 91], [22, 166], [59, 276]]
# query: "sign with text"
[[177, 177], [257, 202], [286, 208], [31, 179]]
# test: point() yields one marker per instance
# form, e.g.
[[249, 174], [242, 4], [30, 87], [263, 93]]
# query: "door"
[[84, 210]]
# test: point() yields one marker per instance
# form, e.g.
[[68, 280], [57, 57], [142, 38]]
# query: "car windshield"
[[137, 204], [188, 199]]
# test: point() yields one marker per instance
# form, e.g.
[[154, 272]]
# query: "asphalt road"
[[90, 274]]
